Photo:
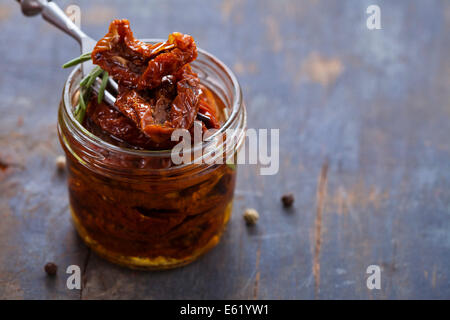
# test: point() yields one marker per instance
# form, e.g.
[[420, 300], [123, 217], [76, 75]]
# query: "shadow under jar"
[[135, 207]]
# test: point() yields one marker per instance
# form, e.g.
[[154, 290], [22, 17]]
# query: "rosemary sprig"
[[85, 92], [85, 80], [101, 92], [76, 110], [86, 85], [81, 107], [84, 57], [94, 74]]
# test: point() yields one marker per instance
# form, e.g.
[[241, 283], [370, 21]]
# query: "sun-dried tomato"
[[158, 91]]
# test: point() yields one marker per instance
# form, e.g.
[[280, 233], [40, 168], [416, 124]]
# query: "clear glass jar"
[[136, 208]]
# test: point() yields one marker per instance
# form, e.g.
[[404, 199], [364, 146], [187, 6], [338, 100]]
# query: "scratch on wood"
[[273, 34], [257, 276], [345, 199], [447, 14], [5, 12], [100, 14], [276, 235], [321, 198], [231, 9], [243, 68], [248, 193], [83, 275], [4, 165], [433, 278], [319, 69]]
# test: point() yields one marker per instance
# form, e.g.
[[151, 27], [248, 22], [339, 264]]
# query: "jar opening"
[[213, 73], [233, 106]]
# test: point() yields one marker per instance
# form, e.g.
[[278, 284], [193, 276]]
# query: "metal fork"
[[53, 14]]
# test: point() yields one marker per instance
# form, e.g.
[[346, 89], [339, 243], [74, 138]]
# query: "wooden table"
[[364, 146]]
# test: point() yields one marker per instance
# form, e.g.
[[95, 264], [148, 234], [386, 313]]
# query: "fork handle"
[[53, 14]]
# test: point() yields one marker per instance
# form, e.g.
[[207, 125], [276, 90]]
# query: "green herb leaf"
[[86, 85], [85, 80], [80, 59], [101, 92], [76, 110], [88, 79], [82, 108], [94, 74]]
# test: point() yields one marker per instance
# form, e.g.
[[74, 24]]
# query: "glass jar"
[[135, 207]]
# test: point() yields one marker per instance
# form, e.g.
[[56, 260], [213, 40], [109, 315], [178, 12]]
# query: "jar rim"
[[236, 105]]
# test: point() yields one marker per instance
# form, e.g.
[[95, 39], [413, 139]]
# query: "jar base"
[[140, 263]]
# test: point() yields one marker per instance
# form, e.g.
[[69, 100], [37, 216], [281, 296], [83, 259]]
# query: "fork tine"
[[114, 85], [108, 97]]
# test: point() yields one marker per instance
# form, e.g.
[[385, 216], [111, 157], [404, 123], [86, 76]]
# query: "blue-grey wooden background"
[[364, 129]]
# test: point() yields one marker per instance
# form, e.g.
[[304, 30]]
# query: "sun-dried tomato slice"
[[166, 63], [158, 91], [114, 127], [136, 63], [160, 112]]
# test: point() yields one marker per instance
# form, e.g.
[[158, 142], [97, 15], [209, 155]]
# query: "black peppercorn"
[[51, 268], [288, 200]]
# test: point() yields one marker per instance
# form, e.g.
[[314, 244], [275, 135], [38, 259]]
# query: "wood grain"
[[364, 146]]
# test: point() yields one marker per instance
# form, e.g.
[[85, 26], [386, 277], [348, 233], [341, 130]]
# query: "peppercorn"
[[60, 163], [288, 200], [51, 268], [251, 216]]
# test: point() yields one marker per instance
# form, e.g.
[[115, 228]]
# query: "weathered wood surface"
[[364, 127]]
